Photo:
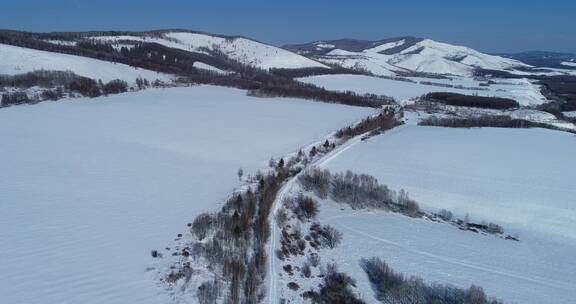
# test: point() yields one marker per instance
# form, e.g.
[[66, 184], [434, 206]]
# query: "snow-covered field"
[[535, 270], [90, 186], [522, 179], [520, 90], [16, 60]]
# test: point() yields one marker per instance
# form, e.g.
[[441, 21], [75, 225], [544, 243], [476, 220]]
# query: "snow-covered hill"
[[240, 49], [18, 60], [404, 55]]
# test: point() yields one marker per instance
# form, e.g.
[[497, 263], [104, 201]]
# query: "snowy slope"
[[240, 49], [413, 55], [434, 57], [500, 175], [17, 60], [521, 90], [91, 186]]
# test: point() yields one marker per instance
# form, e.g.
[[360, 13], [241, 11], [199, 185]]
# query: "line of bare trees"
[[492, 121], [382, 122], [391, 287], [359, 191], [54, 85], [454, 99]]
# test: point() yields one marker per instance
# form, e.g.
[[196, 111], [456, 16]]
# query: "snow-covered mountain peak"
[[402, 55]]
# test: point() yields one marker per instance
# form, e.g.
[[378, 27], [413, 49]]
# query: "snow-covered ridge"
[[17, 60], [394, 56], [241, 49]]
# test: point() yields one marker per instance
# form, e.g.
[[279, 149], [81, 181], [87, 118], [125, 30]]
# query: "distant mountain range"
[[404, 55], [185, 53], [544, 59]]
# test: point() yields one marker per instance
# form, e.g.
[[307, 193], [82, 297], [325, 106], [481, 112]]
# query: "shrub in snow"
[[85, 86], [281, 217], [201, 225], [304, 207], [306, 271], [287, 268], [330, 236], [208, 292], [314, 259], [495, 228], [298, 206], [115, 87], [336, 288], [293, 286], [316, 180], [445, 215], [54, 94], [15, 98]]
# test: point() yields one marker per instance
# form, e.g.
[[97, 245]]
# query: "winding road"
[[272, 275]]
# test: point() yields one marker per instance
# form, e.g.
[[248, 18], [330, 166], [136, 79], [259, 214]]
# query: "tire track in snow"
[[534, 280]]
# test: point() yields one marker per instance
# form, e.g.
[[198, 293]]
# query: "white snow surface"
[[521, 90], [519, 178], [17, 60], [569, 63], [90, 186], [207, 67], [534, 270], [241, 49]]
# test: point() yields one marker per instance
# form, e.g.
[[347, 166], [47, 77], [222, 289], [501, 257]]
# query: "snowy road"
[[284, 191]]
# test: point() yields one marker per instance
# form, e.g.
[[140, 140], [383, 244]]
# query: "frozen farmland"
[[90, 186], [521, 179]]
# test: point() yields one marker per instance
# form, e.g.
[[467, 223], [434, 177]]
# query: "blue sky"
[[487, 25]]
